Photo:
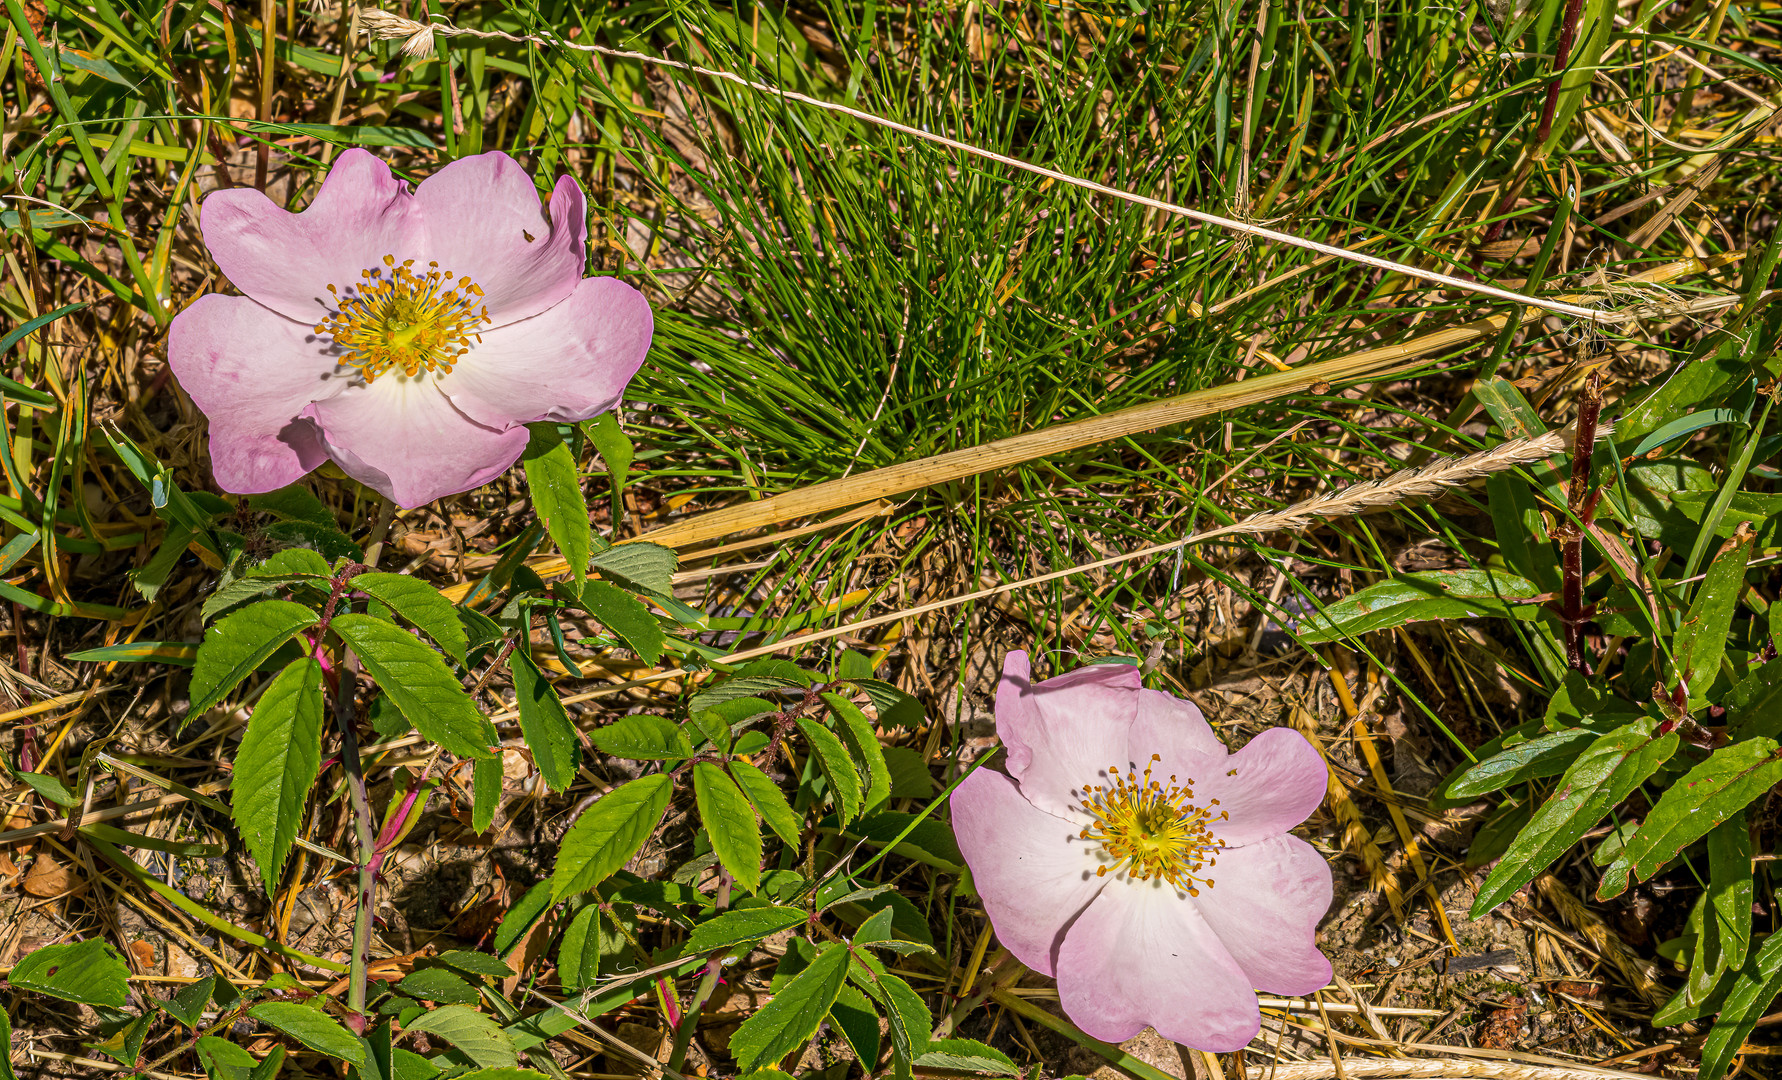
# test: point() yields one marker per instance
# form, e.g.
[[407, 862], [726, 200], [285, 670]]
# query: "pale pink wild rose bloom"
[[408, 335], [1129, 856]]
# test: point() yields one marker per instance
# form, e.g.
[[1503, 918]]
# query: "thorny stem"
[[785, 722], [1562, 55], [374, 544], [1580, 509], [346, 715], [1495, 231]]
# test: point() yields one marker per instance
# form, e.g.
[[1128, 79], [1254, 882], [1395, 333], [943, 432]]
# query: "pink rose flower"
[[408, 335], [1129, 856]]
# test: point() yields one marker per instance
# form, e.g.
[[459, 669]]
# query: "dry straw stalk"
[[1060, 438], [1421, 482], [392, 27], [1425, 1069]]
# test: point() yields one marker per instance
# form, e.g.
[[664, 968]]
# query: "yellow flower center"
[[397, 319], [1151, 831]]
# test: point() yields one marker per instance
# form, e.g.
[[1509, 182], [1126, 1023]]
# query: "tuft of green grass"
[[833, 297]]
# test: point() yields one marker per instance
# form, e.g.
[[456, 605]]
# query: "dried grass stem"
[[395, 27], [1425, 1068], [1422, 482]]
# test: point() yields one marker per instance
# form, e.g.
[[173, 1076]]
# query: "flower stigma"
[[1150, 831], [395, 319]]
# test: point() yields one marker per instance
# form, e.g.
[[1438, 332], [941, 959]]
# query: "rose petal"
[[253, 373], [569, 363], [1063, 734], [402, 438], [1265, 904], [1141, 955], [1178, 734], [1030, 868], [287, 261], [1268, 787], [479, 212]]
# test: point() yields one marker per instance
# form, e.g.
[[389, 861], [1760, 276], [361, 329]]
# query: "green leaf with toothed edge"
[[643, 737], [863, 742], [473, 1034], [188, 1005], [418, 681], [234, 647], [578, 956], [967, 1055], [269, 1067], [440, 986], [294, 503], [838, 767], [476, 963], [793, 1015], [556, 488], [859, 1022], [730, 822], [311, 1027], [1601, 777], [769, 801], [528, 909], [616, 451], [626, 616], [421, 605], [485, 792], [608, 833], [277, 764], [548, 731], [639, 565], [905, 1012], [90, 972], [731, 928], [223, 1060], [252, 586]]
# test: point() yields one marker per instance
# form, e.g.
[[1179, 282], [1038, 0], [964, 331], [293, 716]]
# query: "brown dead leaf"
[[729, 1008], [1573, 988], [144, 954], [531, 947], [646, 1040], [15, 817], [1503, 1027], [48, 878]]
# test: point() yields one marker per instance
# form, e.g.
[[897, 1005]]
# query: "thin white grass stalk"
[[1426, 1069], [394, 26], [1426, 481]]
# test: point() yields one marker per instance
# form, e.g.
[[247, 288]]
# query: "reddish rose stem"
[[1568, 35], [346, 716], [343, 679], [1581, 508]]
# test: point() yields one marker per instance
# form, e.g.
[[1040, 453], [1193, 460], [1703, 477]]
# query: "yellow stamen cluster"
[[1151, 831], [395, 319]]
